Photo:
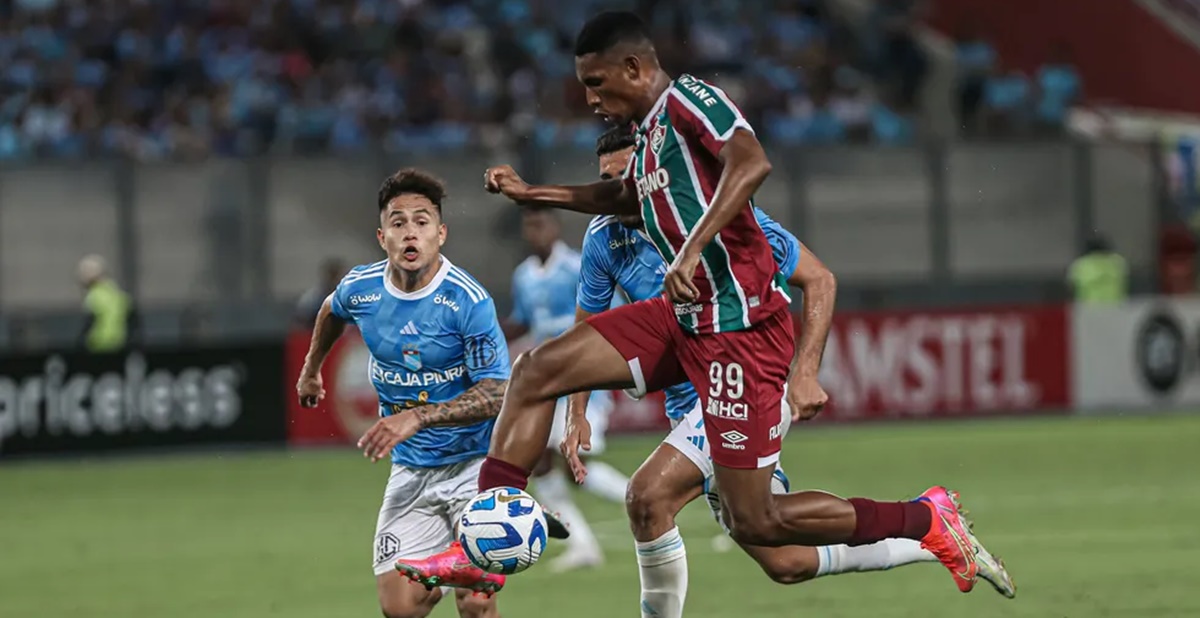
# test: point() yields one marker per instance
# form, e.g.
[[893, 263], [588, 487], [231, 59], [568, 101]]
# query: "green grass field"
[[1095, 517]]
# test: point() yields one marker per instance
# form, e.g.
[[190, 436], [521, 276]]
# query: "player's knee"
[[474, 605], [788, 567], [531, 373], [648, 507]]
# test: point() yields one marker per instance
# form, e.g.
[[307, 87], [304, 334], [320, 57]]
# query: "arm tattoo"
[[478, 403]]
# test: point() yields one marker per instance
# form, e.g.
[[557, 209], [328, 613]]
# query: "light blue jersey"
[[614, 255], [427, 347], [544, 298]]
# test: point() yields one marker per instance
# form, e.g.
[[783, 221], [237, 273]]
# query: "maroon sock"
[[496, 473], [876, 521]]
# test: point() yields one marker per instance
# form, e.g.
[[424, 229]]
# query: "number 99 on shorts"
[[726, 388]]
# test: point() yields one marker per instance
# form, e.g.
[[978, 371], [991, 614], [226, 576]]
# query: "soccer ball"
[[503, 530]]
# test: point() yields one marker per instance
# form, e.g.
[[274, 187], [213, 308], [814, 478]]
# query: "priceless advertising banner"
[[946, 363], [77, 402], [1145, 353]]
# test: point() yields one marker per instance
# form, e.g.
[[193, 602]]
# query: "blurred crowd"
[[154, 79], [999, 101]]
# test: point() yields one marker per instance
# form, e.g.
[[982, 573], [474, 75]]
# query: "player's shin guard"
[[662, 565], [881, 556]]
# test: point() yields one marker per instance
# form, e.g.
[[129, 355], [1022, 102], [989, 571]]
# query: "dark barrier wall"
[[78, 403]]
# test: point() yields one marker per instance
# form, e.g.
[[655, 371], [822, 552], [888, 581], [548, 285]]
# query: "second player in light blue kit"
[[543, 289]]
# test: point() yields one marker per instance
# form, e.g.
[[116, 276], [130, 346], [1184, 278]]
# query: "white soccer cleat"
[[575, 559], [991, 570]]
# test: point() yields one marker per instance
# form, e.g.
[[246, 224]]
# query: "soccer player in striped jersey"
[[724, 321], [440, 364], [615, 254]]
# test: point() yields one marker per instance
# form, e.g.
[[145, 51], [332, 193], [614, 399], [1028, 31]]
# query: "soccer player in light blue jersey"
[[439, 363], [543, 290], [615, 254]]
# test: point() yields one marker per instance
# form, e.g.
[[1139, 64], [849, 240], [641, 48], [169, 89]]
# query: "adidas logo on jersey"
[[409, 329]]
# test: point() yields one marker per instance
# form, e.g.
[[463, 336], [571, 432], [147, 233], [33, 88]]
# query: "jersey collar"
[[419, 293], [658, 105]]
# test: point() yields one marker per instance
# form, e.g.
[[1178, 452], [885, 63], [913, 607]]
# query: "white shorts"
[[687, 436], [599, 407], [420, 511]]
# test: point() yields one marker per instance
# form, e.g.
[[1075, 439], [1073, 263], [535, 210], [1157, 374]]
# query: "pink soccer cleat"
[[450, 568], [949, 537]]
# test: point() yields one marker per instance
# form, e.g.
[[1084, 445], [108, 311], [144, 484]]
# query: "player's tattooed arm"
[[606, 197], [478, 403]]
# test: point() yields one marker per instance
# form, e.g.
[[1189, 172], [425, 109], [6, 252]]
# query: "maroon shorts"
[[738, 375]]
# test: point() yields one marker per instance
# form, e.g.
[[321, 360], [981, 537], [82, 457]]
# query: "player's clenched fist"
[[805, 397], [677, 283], [504, 179], [310, 390]]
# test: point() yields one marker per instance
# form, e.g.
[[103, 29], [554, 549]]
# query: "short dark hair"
[[606, 30], [615, 139], [412, 180]]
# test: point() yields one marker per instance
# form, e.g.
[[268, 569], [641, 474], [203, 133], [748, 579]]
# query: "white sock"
[[555, 494], [662, 565], [605, 481], [881, 556]]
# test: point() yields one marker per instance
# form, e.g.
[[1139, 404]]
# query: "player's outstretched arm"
[[478, 403], [326, 331], [745, 168], [606, 197], [805, 395]]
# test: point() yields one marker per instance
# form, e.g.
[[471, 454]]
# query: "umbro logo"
[[409, 329], [734, 436], [733, 440]]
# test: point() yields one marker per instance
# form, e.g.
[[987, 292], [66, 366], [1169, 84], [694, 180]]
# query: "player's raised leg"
[[628, 347]]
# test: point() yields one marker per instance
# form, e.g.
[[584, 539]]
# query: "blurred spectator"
[[1100, 275], [897, 55], [1005, 101], [1058, 87], [332, 271], [974, 58], [110, 320]]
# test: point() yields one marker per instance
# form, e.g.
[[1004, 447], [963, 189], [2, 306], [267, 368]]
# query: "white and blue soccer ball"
[[503, 530]]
